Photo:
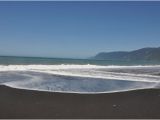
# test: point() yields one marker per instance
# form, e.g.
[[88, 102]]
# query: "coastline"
[[20, 103]]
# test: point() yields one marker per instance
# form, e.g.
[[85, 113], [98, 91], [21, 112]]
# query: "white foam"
[[38, 81], [67, 66], [91, 71], [45, 67]]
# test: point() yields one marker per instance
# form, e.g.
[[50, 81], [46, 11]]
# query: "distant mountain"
[[140, 54]]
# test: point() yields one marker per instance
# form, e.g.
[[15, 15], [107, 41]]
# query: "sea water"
[[78, 75]]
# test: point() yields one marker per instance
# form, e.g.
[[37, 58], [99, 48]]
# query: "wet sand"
[[18, 103]]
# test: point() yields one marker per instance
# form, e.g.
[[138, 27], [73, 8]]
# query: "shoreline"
[[81, 93], [21, 103]]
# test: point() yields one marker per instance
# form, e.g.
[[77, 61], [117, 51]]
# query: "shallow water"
[[78, 75], [80, 78]]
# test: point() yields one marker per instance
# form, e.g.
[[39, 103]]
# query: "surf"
[[76, 78], [92, 71]]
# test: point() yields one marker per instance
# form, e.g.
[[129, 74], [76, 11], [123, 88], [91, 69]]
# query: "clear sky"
[[77, 29]]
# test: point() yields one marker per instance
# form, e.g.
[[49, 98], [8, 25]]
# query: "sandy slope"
[[16, 103]]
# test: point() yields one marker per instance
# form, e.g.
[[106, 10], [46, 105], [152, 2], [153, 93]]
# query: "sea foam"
[[93, 71], [80, 78]]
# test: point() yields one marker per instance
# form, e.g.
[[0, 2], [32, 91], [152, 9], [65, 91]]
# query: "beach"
[[78, 91], [79, 59], [20, 103]]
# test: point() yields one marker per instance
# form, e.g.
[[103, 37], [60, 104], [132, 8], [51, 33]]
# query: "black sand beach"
[[18, 103]]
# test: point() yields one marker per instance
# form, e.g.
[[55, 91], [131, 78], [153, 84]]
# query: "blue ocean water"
[[13, 60], [78, 75]]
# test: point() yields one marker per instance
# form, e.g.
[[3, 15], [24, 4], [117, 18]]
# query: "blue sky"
[[77, 29]]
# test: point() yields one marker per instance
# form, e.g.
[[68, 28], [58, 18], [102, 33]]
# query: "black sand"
[[18, 103]]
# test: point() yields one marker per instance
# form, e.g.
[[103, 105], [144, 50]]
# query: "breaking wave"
[[80, 78]]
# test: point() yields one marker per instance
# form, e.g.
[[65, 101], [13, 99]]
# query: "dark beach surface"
[[19, 103]]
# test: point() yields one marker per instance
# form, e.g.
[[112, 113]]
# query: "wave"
[[68, 66], [92, 71], [80, 78]]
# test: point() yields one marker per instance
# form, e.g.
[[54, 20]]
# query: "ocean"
[[83, 76]]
